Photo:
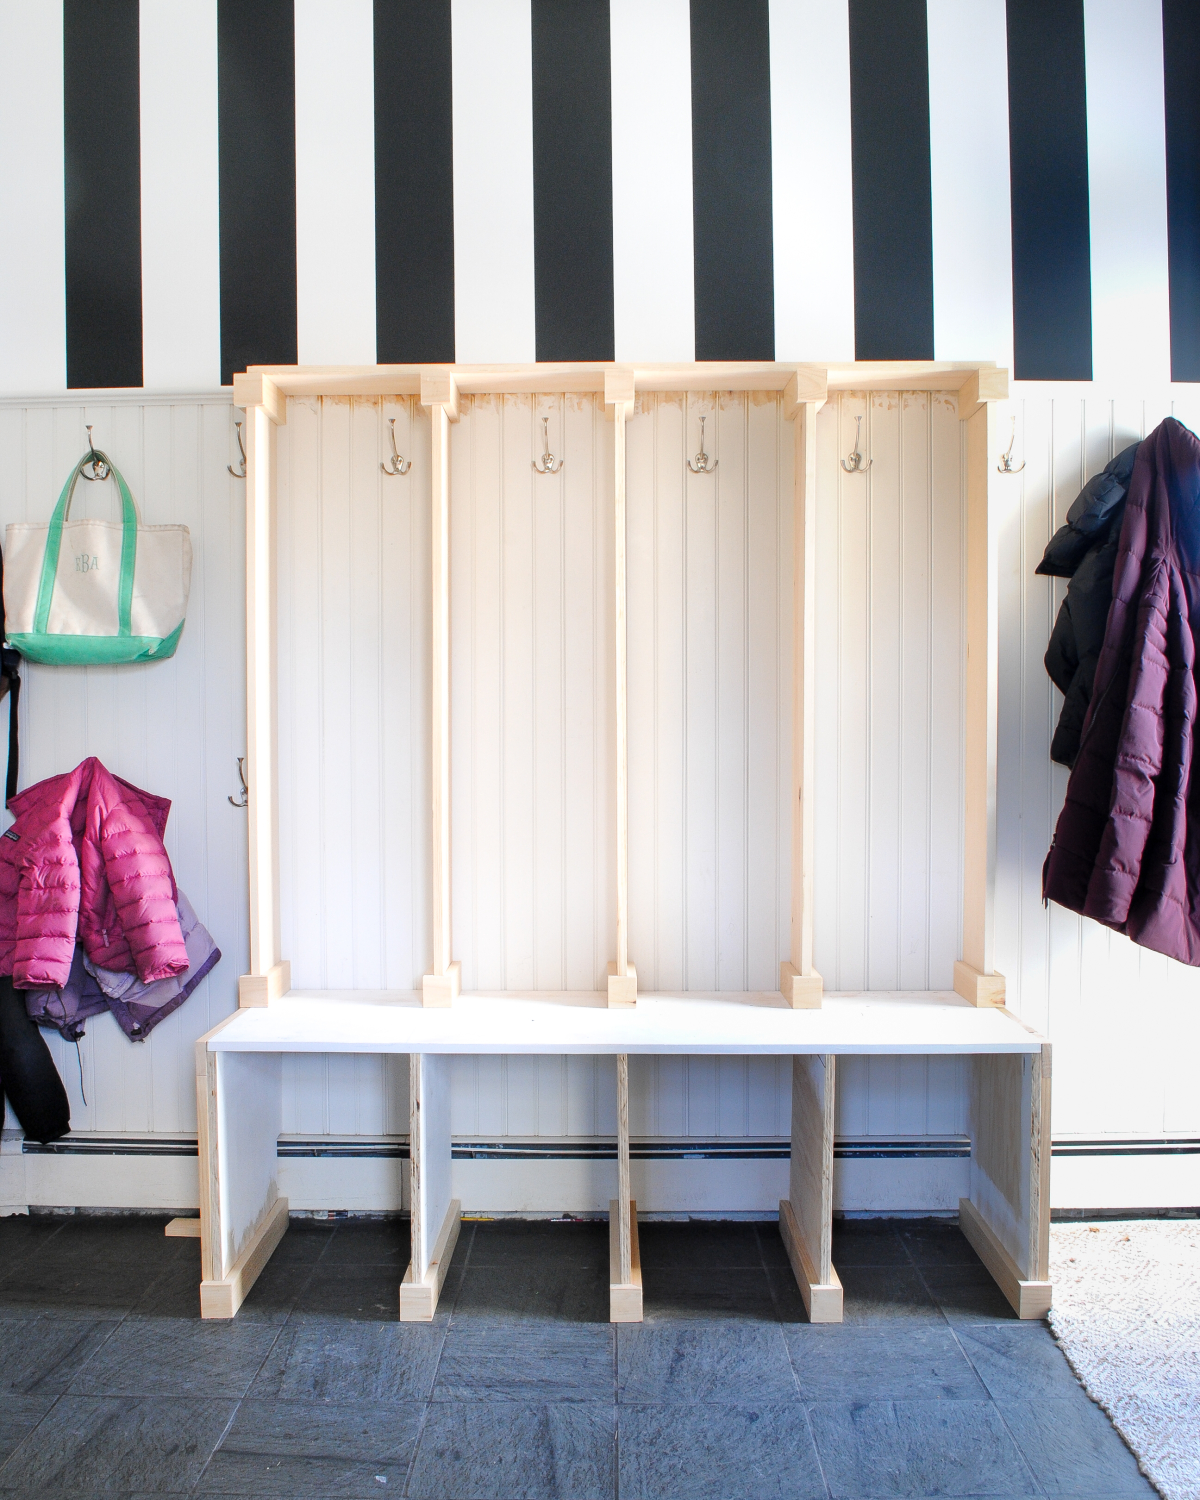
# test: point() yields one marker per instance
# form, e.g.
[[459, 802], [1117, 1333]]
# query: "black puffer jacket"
[[1084, 550]]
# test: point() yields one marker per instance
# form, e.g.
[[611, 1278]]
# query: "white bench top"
[[878, 1021]]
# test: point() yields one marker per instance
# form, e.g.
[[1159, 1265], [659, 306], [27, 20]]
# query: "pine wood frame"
[[1007, 1215]]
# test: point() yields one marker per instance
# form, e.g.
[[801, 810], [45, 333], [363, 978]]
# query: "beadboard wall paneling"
[[1072, 978], [175, 727], [354, 712]]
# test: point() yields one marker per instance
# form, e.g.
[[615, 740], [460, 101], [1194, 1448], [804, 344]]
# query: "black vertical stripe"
[[103, 164], [892, 192], [256, 112], [414, 183], [1048, 164], [1181, 69], [572, 180], [731, 180]]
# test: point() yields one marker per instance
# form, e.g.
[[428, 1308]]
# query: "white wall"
[[710, 678], [173, 727]]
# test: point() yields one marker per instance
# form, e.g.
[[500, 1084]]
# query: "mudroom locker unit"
[[600, 1006]]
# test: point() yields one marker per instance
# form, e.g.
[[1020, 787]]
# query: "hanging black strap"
[[10, 683]]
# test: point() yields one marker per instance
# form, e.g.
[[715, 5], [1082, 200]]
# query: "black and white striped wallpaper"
[[191, 186]]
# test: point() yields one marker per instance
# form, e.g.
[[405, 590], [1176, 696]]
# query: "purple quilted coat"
[[1127, 847]]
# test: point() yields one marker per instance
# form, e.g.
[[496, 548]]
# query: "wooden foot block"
[[622, 991], [979, 989], [1029, 1299], [442, 989], [261, 989], [221, 1299], [801, 991], [183, 1229], [624, 1297], [822, 1299], [419, 1299]]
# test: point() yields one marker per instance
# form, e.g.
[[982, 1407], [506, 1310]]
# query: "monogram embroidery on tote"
[[86, 564]]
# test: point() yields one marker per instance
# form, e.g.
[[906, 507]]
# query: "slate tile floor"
[[111, 1385]]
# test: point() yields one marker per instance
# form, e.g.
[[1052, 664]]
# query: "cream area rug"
[[1127, 1314]]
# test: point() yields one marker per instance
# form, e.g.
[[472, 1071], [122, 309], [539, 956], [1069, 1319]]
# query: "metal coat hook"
[[242, 451], [245, 799], [101, 468], [703, 464], [395, 465], [853, 462], [1006, 466], [547, 464]]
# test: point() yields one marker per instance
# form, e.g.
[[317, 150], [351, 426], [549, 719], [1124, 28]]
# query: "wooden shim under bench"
[[1029, 1299], [419, 1299], [221, 1299], [624, 1297], [822, 1300]]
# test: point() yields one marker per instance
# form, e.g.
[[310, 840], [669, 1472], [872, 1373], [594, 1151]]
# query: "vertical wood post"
[[622, 976], [975, 976], [624, 1261], [266, 409], [439, 393], [804, 396], [806, 1214]]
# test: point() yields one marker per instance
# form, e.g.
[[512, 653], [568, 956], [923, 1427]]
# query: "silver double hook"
[[547, 464], [395, 465], [244, 799], [242, 450], [98, 462], [702, 464], [1006, 465], [853, 462]]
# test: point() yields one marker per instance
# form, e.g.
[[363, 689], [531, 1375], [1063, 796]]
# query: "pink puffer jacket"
[[85, 861]]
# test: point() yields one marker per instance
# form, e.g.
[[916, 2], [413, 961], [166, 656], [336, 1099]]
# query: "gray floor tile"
[[1073, 1448], [911, 1362], [967, 1294], [121, 1240], [23, 1235], [1019, 1361], [699, 1246], [885, 1294], [770, 1243], [177, 1357], [909, 1448], [936, 1242], [717, 1452], [867, 1242], [176, 1294], [44, 1356], [292, 1449], [509, 1362], [687, 1292], [19, 1415], [306, 1241], [340, 1361], [371, 1295], [785, 1293], [703, 1361], [515, 1451], [532, 1289], [387, 1242], [158, 1445], [503, 1241], [74, 1289]]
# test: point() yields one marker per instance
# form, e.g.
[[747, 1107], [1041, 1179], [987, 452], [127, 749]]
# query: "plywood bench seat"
[[239, 1076]]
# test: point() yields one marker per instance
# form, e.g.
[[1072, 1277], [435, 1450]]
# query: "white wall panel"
[[181, 332], [33, 306], [335, 182], [969, 180], [493, 181], [173, 727], [1127, 190], [812, 188], [653, 266]]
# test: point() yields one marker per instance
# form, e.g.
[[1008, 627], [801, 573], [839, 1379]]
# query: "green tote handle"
[[54, 546]]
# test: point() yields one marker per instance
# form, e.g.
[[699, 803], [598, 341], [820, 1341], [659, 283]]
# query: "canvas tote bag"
[[86, 593]]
